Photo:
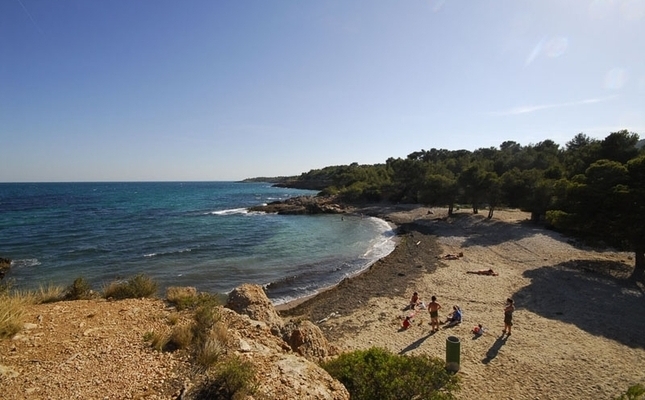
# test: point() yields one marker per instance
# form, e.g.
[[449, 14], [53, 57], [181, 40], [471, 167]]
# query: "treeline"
[[592, 188]]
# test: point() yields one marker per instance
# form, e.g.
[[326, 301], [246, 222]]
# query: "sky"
[[192, 90]]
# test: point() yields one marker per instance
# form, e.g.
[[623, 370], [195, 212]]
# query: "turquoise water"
[[188, 234]]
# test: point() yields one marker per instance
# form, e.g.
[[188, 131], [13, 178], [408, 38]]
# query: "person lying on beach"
[[451, 257], [489, 272], [455, 316]]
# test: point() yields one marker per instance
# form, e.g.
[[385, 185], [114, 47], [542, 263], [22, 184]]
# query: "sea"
[[199, 234]]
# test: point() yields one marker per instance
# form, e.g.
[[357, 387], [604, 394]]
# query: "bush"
[[135, 288], [187, 298], [80, 289], [635, 392], [49, 293], [180, 338], [12, 312], [234, 378], [377, 374]]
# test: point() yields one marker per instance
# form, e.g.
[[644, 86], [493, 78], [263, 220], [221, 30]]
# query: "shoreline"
[[560, 347]]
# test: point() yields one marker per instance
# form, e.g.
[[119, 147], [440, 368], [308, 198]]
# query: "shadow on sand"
[[588, 294], [416, 343], [494, 349]]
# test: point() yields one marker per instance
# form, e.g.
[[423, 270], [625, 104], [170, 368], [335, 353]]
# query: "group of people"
[[456, 316]]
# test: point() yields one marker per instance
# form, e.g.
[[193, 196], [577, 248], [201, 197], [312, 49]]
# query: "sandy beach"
[[578, 326]]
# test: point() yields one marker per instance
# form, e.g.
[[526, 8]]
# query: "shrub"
[[135, 288], [205, 317], [208, 352], [180, 338], [80, 289], [187, 298], [157, 340], [49, 293], [173, 319], [378, 374], [12, 312], [634, 392], [234, 378], [182, 297]]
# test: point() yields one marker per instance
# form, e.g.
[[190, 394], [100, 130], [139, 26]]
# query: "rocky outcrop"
[[5, 264], [283, 353], [306, 339], [301, 336], [304, 205], [251, 300]]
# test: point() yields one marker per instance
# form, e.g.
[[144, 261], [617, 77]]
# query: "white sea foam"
[[27, 262], [229, 212]]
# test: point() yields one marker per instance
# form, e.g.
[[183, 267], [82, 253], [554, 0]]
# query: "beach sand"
[[578, 326]]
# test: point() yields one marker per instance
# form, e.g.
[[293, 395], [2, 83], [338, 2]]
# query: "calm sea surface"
[[181, 234]]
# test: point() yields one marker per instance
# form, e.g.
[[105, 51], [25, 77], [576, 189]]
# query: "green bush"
[[80, 289], [134, 288], [635, 392], [187, 298], [377, 374], [234, 378]]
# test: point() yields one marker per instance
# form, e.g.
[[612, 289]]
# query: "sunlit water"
[[181, 234]]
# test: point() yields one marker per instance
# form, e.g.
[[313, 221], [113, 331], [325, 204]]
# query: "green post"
[[452, 353]]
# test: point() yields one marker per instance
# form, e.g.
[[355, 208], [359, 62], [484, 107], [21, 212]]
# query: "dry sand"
[[579, 325]]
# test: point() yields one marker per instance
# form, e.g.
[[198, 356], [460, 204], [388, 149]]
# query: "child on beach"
[[407, 322], [433, 308], [508, 316]]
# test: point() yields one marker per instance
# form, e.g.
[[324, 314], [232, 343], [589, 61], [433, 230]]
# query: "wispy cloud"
[[31, 18], [529, 109]]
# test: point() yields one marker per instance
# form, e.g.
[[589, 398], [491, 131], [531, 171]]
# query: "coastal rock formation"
[[306, 339], [5, 263], [251, 300], [303, 205], [301, 336]]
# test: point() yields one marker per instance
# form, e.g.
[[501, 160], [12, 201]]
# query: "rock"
[[5, 264], [306, 338], [252, 301]]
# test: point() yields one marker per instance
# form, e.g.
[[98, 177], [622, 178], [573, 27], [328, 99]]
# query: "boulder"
[[5, 264], [306, 339], [252, 301]]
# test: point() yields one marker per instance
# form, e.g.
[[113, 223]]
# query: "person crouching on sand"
[[407, 322], [433, 308]]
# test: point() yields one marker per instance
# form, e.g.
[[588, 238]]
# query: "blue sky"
[[225, 90]]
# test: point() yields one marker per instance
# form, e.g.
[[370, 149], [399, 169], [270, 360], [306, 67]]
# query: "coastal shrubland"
[[378, 374], [80, 289], [137, 287]]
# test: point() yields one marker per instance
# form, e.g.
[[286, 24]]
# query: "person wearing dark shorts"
[[433, 308]]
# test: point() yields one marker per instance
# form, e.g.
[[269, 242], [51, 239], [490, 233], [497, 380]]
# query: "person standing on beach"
[[508, 316], [433, 308]]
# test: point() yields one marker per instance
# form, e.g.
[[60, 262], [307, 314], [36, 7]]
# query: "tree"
[[608, 204]]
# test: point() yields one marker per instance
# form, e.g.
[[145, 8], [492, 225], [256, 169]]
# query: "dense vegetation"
[[377, 374], [591, 188]]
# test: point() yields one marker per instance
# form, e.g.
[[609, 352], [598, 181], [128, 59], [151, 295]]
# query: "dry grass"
[[181, 337], [12, 313], [49, 293]]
